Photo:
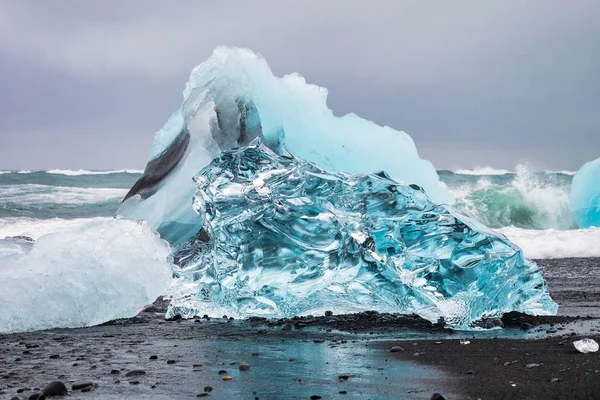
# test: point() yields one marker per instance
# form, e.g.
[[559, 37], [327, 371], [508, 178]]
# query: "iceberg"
[[81, 276], [233, 98], [282, 236], [585, 195]]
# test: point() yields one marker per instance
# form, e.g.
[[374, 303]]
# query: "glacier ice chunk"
[[233, 98], [585, 195], [282, 237], [586, 345], [81, 276]]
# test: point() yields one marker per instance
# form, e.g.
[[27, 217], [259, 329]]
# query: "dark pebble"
[[56, 388], [315, 397], [342, 392], [54, 356], [525, 326], [244, 366], [344, 377], [37, 396], [329, 313], [171, 361], [135, 372], [23, 390], [396, 349], [115, 372], [202, 395], [208, 389], [437, 396], [15, 398], [154, 357], [222, 372], [82, 385], [134, 382]]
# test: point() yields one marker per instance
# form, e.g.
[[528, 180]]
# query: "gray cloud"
[[84, 84]]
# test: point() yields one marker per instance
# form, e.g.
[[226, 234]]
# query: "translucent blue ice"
[[283, 237], [585, 195], [233, 98]]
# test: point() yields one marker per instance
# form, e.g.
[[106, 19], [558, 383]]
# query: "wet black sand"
[[331, 357]]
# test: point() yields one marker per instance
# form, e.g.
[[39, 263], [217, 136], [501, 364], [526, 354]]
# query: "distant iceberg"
[[233, 98], [585, 195], [273, 206]]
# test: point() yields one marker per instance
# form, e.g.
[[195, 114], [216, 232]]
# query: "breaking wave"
[[525, 199]]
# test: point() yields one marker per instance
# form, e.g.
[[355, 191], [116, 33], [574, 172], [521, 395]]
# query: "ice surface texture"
[[233, 98], [284, 237], [585, 195], [81, 276]]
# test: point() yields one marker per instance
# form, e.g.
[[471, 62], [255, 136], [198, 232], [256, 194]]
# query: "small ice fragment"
[[586, 345], [465, 342]]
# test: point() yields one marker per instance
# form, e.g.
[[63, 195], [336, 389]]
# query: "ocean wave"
[[71, 172], [528, 200], [27, 194], [551, 243]]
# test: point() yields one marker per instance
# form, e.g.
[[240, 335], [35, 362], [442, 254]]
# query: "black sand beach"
[[326, 356]]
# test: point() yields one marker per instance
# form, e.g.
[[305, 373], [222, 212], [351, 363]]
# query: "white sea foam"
[[44, 194], [482, 171], [83, 276], [35, 228], [71, 172], [552, 243]]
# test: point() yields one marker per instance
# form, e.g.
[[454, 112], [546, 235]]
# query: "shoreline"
[[334, 356]]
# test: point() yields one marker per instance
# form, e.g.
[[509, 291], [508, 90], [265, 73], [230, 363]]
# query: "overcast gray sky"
[[85, 84]]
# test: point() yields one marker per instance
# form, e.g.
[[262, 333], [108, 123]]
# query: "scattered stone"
[[437, 396], [344, 377], [227, 378], [171, 361], [554, 380], [525, 326], [82, 385], [315, 397], [55, 388], [54, 356], [87, 389], [465, 342], [532, 365], [222, 372], [329, 313], [208, 389], [115, 372], [15, 398], [396, 349], [202, 395], [134, 382], [37, 396], [154, 357], [135, 372], [343, 392], [470, 372], [244, 366]]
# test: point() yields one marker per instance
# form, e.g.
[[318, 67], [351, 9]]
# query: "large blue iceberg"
[[275, 207], [585, 195], [284, 237], [233, 98]]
